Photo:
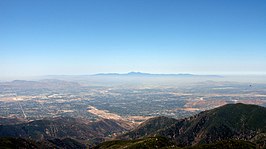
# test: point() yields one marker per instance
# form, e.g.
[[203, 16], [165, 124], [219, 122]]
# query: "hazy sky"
[[41, 37]]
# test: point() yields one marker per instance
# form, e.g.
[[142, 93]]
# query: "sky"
[[79, 37]]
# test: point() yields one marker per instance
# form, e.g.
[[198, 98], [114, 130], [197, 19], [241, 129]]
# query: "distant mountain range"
[[41, 84], [229, 126], [140, 74]]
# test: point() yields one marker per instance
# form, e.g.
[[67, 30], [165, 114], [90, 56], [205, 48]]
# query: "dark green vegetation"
[[149, 127], [229, 122], [15, 143], [66, 143], [10, 143], [229, 126], [231, 144], [149, 143], [62, 127], [164, 143]]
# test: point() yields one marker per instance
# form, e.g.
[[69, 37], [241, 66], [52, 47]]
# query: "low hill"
[[232, 121], [51, 84], [11, 121], [62, 127], [149, 127]]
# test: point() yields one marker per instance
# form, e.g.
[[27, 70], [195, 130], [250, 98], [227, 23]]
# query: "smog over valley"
[[141, 74]]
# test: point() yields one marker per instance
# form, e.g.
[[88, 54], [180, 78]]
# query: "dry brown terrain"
[[130, 120]]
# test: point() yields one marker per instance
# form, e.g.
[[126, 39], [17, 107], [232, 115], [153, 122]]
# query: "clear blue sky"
[[42, 37]]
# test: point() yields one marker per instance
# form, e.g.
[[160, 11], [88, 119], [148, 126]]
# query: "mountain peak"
[[137, 73]]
